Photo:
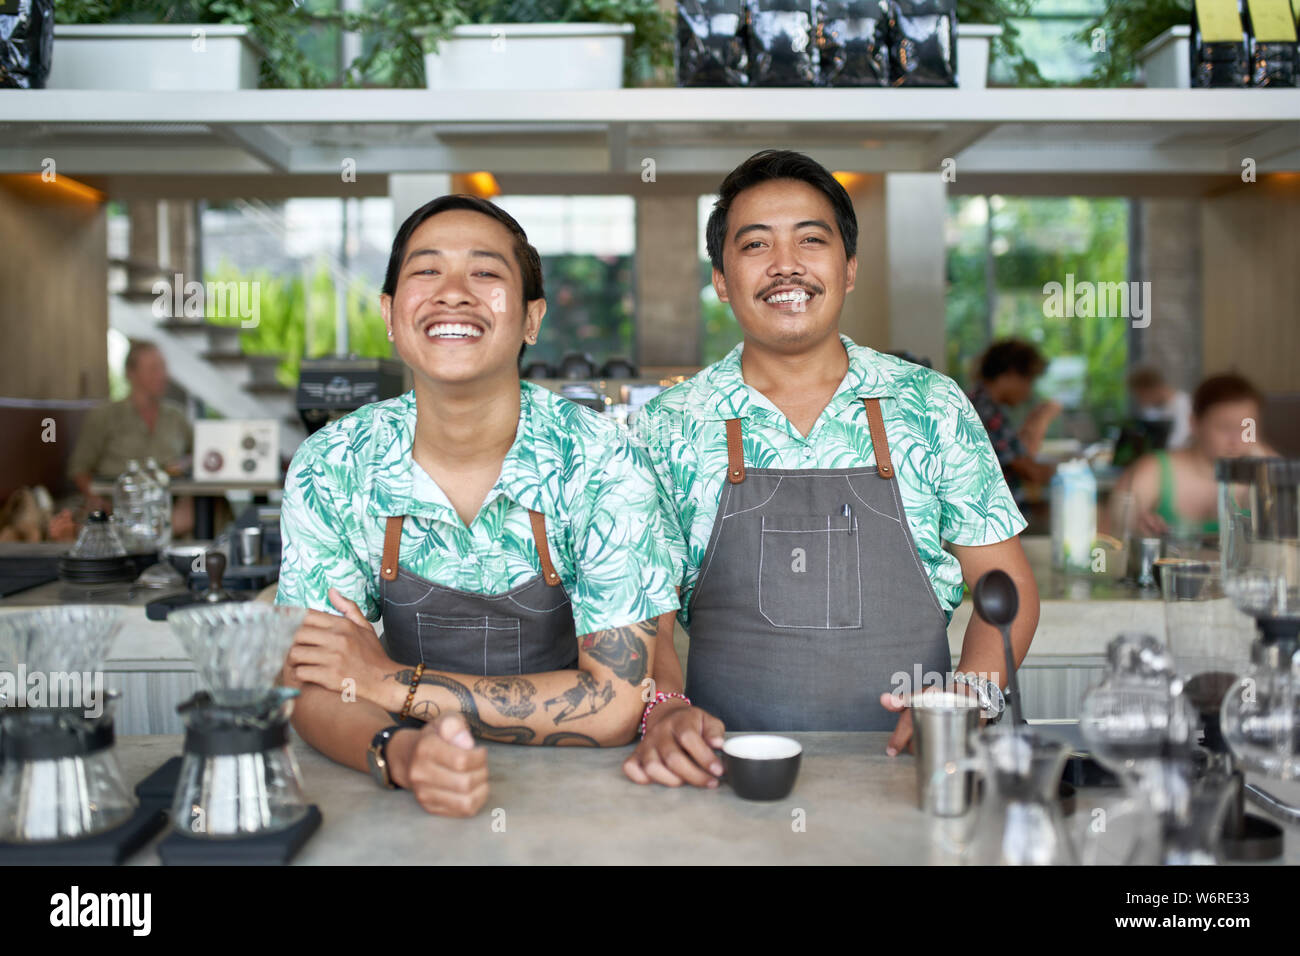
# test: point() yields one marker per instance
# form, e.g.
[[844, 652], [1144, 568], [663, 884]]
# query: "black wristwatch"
[[377, 757]]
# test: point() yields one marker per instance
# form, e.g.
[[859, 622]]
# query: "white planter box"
[[529, 56], [1167, 60], [208, 56], [973, 42]]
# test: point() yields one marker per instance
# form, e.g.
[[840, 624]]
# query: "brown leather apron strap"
[[735, 452], [879, 440], [392, 544], [543, 549]]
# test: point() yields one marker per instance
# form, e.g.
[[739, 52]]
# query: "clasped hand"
[[329, 650]]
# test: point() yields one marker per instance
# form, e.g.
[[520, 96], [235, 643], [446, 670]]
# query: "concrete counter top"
[[572, 805]]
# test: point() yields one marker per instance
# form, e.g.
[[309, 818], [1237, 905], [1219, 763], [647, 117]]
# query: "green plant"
[[296, 317], [275, 24], [1006, 47], [1127, 26], [398, 33]]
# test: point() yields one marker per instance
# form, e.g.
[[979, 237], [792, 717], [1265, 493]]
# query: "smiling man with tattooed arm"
[[509, 539]]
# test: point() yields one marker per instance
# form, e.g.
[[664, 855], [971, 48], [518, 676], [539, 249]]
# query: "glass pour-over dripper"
[[61, 779], [238, 776], [1259, 522]]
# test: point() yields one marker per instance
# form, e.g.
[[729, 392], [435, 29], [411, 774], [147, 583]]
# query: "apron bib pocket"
[[808, 571], [502, 652]]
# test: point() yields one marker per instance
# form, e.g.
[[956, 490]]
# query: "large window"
[[1003, 252], [315, 257], [587, 245]]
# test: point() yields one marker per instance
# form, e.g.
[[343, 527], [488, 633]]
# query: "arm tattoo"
[[511, 696], [622, 649], [584, 693], [426, 710], [566, 738], [468, 706]]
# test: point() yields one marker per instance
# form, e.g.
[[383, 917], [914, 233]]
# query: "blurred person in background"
[[1157, 400], [1175, 491], [143, 425], [1006, 372]]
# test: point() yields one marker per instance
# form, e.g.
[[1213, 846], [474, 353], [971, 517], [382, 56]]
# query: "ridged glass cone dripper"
[[68, 638], [238, 649]]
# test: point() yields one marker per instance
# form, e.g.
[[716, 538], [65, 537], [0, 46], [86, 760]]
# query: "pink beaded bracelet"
[[660, 697]]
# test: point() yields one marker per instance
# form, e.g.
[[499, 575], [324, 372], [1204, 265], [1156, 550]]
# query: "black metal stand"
[[109, 848], [261, 849]]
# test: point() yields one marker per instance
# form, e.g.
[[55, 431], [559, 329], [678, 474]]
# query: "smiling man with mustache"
[[814, 482], [510, 540]]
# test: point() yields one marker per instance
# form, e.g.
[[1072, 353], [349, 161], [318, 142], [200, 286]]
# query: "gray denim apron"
[[812, 600], [526, 630]]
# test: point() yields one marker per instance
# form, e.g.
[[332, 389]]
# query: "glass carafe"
[[61, 778], [238, 776], [1259, 541], [1017, 820], [1208, 636]]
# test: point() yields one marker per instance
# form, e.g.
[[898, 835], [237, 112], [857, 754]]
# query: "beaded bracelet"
[[410, 694], [660, 697]]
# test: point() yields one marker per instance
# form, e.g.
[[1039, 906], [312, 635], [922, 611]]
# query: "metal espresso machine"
[[329, 388]]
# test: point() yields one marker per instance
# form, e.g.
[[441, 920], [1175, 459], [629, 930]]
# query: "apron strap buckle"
[[879, 440], [735, 452]]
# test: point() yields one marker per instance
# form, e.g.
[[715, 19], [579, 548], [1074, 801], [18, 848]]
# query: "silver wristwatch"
[[992, 701]]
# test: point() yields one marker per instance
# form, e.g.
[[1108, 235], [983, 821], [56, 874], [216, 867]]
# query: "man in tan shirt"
[[142, 425]]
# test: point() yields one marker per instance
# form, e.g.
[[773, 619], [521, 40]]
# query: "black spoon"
[[998, 602]]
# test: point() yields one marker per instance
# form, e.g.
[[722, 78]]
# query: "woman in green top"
[[1174, 492]]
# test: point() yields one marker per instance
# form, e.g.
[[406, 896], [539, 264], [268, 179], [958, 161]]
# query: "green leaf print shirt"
[[949, 479], [595, 487]]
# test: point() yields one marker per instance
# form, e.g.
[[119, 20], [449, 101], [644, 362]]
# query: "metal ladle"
[[998, 602]]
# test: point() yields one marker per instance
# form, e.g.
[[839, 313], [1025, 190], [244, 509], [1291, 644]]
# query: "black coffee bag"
[[781, 47], [852, 42], [1272, 41], [1218, 60], [26, 43], [923, 43], [711, 43]]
